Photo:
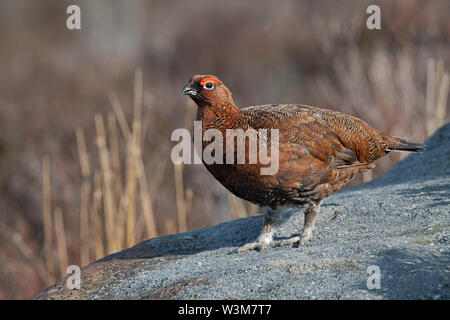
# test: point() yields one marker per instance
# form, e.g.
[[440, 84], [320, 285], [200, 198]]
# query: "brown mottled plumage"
[[320, 151]]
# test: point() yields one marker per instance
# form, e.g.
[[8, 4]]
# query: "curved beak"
[[187, 90]]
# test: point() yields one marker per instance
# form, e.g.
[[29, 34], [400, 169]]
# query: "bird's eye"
[[209, 85]]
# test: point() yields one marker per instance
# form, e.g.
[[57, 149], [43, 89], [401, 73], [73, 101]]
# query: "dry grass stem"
[[108, 201], [180, 198], [96, 218], [63, 257], [436, 95], [85, 197], [47, 219]]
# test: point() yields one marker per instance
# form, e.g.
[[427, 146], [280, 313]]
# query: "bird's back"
[[324, 132]]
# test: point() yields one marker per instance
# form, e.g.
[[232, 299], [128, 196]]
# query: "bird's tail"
[[400, 144]]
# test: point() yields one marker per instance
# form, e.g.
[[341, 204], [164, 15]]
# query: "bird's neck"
[[222, 116]]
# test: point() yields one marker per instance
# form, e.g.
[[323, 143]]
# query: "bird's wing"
[[314, 145], [329, 135]]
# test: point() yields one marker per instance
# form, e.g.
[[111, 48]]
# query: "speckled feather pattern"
[[320, 150]]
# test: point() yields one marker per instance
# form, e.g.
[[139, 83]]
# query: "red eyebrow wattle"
[[209, 79]]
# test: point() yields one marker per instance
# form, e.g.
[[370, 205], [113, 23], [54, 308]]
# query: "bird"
[[320, 151]]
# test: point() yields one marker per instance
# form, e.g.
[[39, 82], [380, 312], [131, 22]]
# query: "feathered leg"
[[311, 211], [310, 219], [265, 239]]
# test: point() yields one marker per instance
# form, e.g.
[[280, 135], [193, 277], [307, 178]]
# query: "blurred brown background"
[[54, 81]]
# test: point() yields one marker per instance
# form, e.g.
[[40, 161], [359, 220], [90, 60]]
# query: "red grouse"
[[320, 151]]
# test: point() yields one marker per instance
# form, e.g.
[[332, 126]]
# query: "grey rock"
[[399, 222]]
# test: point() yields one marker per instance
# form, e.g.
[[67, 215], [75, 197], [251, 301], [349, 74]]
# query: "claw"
[[288, 242], [262, 243], [307, 235], [248, 247]]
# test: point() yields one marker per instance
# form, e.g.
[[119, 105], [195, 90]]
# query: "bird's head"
[[207, 90]]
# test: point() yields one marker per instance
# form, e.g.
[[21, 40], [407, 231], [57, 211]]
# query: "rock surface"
[[399, 222]]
